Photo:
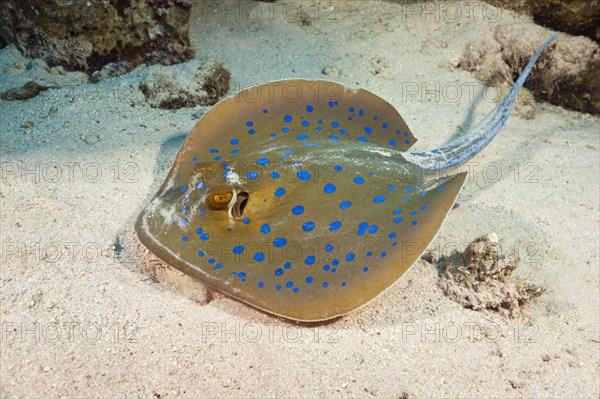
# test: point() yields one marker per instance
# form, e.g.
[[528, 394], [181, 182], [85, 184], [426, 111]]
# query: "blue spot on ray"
[[238, 249], [362, 228], [303, 175], [329, 188], [279, 242], [335, 225], [379, 199], [308, 226], [298, 210], [345, 205]]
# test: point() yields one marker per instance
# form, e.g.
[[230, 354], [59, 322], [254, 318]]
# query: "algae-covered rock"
[[87, 34], [22, 78], [481, 278], [111, 70], [577, 17], [566, 74], [185, 85]]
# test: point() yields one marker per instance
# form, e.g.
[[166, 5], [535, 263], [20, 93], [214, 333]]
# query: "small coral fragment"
[[481, 278]]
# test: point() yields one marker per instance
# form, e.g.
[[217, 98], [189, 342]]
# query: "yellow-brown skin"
[[312, 302]]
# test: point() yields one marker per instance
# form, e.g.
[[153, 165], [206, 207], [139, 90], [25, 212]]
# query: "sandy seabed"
[[81, 316]]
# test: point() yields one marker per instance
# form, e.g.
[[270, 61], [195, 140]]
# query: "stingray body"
[[300, 197]]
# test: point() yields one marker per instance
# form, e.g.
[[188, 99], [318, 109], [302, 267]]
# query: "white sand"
[[77, 320]]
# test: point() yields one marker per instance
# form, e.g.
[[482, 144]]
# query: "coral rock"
[[566, 74], [185, 85], [577, 17], [85, 35], [481, 278]]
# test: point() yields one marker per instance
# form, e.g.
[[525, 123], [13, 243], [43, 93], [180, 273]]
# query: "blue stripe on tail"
[[469, 144]]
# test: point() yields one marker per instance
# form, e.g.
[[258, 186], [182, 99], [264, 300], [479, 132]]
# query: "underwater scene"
[[299, 198]]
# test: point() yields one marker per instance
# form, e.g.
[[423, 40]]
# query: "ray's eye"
[[218, 198], [222, 199]]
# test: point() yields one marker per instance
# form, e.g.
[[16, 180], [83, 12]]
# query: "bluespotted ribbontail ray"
[[300, 197]]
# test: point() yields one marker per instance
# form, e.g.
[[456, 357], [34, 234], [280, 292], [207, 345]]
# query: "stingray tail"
[[469, 144]]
